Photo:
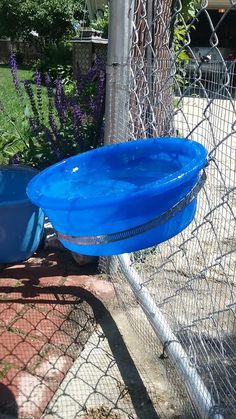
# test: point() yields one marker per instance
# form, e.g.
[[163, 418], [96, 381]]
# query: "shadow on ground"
[[8, 405], [46, 320]]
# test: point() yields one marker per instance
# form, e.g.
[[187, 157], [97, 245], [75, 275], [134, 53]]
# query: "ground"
[[38, 326], [62, 354]]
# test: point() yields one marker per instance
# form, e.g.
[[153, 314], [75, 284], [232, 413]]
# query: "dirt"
[[101, 412]]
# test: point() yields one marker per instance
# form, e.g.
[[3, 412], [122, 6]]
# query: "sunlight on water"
[[107, 182]]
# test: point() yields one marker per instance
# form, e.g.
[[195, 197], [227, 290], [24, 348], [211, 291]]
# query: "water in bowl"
[[106, 182]]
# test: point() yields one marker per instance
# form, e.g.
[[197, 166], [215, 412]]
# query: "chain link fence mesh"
[[180, 88], [62, 355]]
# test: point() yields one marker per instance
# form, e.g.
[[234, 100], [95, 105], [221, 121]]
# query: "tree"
[[159, 33], [51, 19]]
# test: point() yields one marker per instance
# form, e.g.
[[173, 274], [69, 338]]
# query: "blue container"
[[118, 187], [21, 222]]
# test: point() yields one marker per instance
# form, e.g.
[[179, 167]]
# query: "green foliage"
[[56, 61], [14, 130], [101, 23], [189, 9], [182, 58], [65, 73], [56, 54], [54, 121], [181, 29], [51, 19]]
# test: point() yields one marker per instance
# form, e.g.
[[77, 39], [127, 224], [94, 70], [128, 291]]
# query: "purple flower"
[[83, 79], [96, 105], [54, 130], [48, 135], [77, 114], [92, 71], [52, 124], [15, 159], [92, 106], [37, 78], [80, 81], [38, 82], [74, 121], [50, 140], [33, 126], [60, 101], [49, 93], [48, 85], [30, 94], [14, 72]]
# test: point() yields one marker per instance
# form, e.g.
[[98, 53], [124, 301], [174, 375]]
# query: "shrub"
[[72, 121], [55, 60], [101, 23], [53, 55]]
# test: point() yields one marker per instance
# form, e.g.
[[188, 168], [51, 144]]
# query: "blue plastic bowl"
[[21, 222], [117, 187]]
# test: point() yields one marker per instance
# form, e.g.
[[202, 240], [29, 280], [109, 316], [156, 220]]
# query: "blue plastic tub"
[[21, 222], [118, 187]]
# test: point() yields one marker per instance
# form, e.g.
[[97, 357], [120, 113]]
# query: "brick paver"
[[38, 340]]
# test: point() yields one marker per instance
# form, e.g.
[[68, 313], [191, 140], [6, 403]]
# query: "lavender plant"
[[14, 72], [72, 122]]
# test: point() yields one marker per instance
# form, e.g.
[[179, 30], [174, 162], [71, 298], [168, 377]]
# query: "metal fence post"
[[118, 66], [201, 397]]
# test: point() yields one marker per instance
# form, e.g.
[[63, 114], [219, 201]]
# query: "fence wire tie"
[[140, 229], [165, 346]]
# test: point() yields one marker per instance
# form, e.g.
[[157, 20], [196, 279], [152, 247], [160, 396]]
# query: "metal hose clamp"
[[141, 228]]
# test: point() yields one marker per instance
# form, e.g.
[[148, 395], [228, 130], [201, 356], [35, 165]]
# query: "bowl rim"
[[158, 187], [17, 168]]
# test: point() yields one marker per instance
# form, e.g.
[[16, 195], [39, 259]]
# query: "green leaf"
[[27, 111]]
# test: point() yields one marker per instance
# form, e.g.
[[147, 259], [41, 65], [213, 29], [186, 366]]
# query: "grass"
[[14, 131]]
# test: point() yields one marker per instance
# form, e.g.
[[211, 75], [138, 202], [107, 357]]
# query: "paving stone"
[[10, 375], [100, 288], [36, 342], [14, 296], [4, 306], [41, 344], [8, 343], [7, 316], [52, 364], [48, 327], [61, 339], [56, 352], [22, 354], [14, 267], [23, 325], [60, 310], [8, 282], [33, 316], [32, 396], [55, 280], [19, 308]]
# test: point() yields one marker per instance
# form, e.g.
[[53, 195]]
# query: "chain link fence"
[[171, 72], [179, 79], [62, 354]]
